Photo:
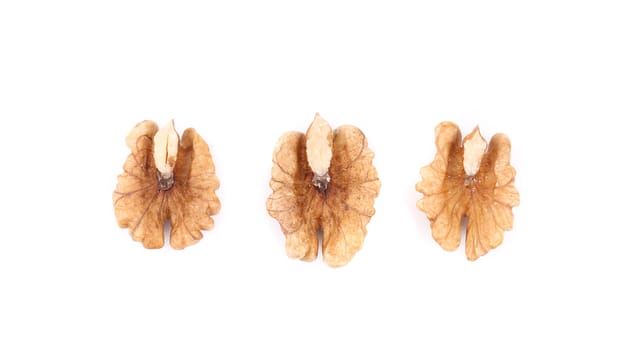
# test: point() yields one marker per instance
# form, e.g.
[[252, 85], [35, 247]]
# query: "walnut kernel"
[[165, 179], [467, 178], [323, 182]]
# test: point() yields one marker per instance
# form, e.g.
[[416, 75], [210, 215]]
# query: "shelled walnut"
[[323, 182], [469, 178], [165, 179]]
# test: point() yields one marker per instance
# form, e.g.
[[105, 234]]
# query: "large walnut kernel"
[[323, 182], [165, 179], [469, 178]]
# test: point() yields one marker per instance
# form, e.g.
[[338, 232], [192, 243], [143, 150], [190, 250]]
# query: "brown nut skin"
[[340, 211], [142, 205], [486, 198]]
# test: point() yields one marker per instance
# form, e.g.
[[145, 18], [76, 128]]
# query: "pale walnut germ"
[[165, 179], [324, 183], [473, 179]]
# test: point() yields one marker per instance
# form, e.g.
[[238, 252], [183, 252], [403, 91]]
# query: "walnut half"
[[469, 178], [323, 182], [165, 179]]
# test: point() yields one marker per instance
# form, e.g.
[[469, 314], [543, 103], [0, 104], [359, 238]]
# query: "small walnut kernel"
[[162, 180], [323, 182], [468, 179]]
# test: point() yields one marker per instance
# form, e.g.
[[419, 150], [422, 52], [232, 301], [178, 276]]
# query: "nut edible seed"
[[165, 179], [469, 178], [324, 183]]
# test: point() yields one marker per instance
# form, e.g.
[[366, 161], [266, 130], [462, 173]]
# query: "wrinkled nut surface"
[[467, 178], [323, 182], [165, 179]]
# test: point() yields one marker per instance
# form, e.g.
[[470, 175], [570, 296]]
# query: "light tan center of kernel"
[[319, 146], [474, 147], [166, 142]]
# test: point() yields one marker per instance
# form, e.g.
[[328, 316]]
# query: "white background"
[[76, 76]]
